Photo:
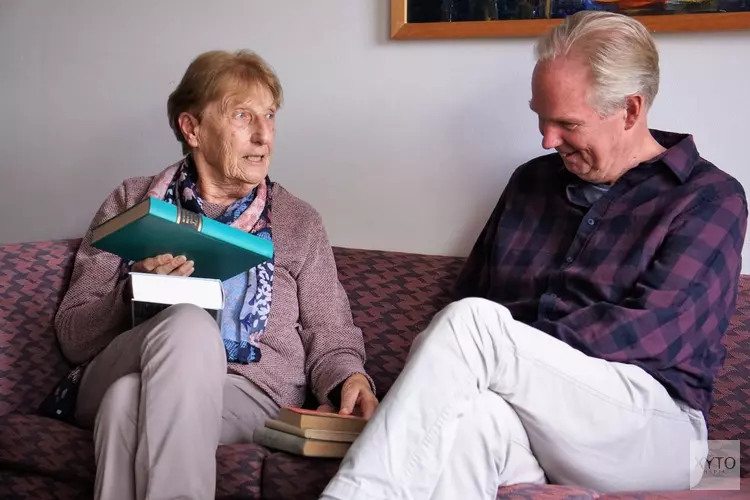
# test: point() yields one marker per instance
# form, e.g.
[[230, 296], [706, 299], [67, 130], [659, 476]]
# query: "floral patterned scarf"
[[178, 184]]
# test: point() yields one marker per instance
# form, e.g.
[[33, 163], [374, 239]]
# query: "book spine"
[[211, 228], [322, 435], [236, 237], [279, 441], [181, 216]]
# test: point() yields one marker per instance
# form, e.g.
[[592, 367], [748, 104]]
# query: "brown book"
[[271, 438], [319, 434], [313, 419]]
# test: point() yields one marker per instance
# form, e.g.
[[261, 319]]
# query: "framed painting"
[[522, 18]]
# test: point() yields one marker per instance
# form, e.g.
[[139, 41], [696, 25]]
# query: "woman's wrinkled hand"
[[357, 398], [165, 264]]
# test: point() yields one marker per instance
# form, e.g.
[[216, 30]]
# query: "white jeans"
[[486, 401]]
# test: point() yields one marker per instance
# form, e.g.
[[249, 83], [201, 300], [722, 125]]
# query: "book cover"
[[154, 227], [319, 434], [152, 293], [313, 419], [296, 445]]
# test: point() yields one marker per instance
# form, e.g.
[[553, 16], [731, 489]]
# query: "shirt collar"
[[585, 194], [681, 154]]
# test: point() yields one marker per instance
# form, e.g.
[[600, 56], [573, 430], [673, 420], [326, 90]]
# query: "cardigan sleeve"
[[94, 308], [333, 344]]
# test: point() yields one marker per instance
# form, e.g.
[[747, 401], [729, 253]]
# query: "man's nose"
[[550, 138]]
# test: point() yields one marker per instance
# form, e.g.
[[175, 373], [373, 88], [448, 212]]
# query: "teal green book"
[[155, 227]]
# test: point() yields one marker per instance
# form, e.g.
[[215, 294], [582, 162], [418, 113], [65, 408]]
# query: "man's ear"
[[635, 106], [189, 125]]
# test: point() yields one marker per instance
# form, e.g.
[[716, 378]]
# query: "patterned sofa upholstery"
[[393, 296]]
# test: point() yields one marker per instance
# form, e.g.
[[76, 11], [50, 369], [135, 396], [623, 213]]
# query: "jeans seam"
[[430, 435]]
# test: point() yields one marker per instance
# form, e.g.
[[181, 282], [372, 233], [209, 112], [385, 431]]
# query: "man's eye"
[[270, 116], [570, 126], [240, 115]]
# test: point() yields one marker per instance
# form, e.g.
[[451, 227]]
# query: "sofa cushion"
[[393, 297], [20, 486], [545, 492], [741, 494], [238, 471], [311, 475], [47, 447], [35, 445], [296, 478]]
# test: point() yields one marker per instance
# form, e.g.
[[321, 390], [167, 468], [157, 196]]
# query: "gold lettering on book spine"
[[188, 218]]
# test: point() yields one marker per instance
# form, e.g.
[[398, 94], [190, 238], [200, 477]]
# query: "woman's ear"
[[189, 125]]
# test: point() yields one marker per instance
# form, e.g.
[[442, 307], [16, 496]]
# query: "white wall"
[[401, 145]]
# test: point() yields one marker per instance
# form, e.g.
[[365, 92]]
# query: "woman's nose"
[[261, 135]]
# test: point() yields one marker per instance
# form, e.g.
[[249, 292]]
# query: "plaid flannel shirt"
[[647, 274]]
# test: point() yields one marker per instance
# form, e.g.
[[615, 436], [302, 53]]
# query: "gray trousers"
[[160, 402]]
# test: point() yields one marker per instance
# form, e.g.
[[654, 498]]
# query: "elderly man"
[[588, 334]]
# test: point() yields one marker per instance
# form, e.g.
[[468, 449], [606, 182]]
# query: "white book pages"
[[170, 290]]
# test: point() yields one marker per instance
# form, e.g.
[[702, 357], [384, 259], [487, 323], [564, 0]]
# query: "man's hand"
[[165, 264], [356, 394]]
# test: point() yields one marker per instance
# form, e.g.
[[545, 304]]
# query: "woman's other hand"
[[165, 264], [356, 398]]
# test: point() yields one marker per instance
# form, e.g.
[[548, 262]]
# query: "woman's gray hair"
[[214, 74], [620, 52]]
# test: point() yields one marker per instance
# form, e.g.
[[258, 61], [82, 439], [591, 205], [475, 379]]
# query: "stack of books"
[[310, 433], [154, 227]]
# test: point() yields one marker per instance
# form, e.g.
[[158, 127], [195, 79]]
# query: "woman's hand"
[[165, 264], [356, 398]]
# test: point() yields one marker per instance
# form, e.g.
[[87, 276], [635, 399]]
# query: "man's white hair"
[[619, 50]]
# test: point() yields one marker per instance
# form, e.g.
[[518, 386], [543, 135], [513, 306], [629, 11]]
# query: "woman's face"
[[235, 135]]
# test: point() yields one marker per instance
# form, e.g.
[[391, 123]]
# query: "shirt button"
[[553, 295], [590, 222], [569, 260]]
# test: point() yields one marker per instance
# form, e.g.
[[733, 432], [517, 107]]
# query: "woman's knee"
[[184, 316], [120, 402], [187, 327]]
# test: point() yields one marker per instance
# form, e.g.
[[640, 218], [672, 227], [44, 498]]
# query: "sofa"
[[393, 296]]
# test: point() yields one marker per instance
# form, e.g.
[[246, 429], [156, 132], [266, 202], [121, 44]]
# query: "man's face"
[[591, 147]]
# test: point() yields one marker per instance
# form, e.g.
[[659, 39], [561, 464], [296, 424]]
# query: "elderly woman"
[[163, 395]]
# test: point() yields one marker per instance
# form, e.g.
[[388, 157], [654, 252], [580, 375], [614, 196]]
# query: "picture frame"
[[401, 28]]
